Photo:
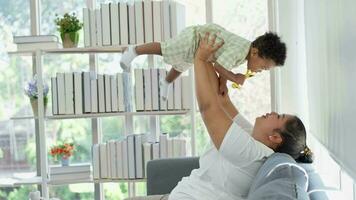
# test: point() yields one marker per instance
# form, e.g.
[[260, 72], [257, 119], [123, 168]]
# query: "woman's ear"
[[275, 138]]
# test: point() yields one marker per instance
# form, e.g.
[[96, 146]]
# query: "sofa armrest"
[[164, 174]]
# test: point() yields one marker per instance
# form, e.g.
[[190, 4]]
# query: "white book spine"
[[120, 92], [170, 148], [161, 76], [155, 151], [128, 91], [119, 159], [147, 156], [147, 89], [114, 22], [171, 98], [61, 94], [163, 149], [124, 26], [176, 148], [186, 92], [108, 159], [86, 28], [78, 93], [54, 95], [105, 22], [148, 23], [125, 159], [139, 93], [139, 156], [178, 93], [165, 13], [132, 26], [140, 35], [114, 101], [94, 95], [68, 79], [101, 93], [107, 81], [96, 161], [86, 92], [113, 159], [99, 31], [155, 87], [183, 148], [93, 29], [103, 161], [157, 23], [131, 156]]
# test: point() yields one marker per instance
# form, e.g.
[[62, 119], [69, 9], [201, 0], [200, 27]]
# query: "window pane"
[[83, 191], [117, 191], [17, 193]]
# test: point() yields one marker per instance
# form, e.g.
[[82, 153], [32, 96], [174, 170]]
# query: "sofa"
[[280, 177]]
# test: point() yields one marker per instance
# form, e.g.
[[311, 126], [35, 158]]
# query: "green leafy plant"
[[68, 23]]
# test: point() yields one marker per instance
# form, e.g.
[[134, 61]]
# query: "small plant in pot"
[[69, 26]]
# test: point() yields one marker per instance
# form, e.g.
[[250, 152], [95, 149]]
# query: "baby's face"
[[256, 63]]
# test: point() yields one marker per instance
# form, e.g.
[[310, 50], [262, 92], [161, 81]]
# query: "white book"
[[107, 83], [170, 148], [68, 79], [39, 45], [177, 94], [101, 93], [35, 39], [114, 101], [94, 95], [124, 24], [139, 90], [119, 160], [161, 75], [128, 92], [73, 168], [113, 159], [157, 21], [125, 159], [155, 88], [96, 161], [165, 13], [148, 20], [170, 100], [147, 89], [177, 18], [132, 24], [140, 34], [120, 92], [93, 40], [139, 140], [114, 22], [61, 94], [105, 22], [186, 92], [155, 151], [103, 161], [78, 93], [163, 146], [99, 36], [147, 156], [86, 92], [86, 28], [183, 148], [177, 147], [63, 177], [131, 156], [54, 95]]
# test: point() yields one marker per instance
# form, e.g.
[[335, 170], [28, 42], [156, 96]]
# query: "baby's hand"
[[239, 79]]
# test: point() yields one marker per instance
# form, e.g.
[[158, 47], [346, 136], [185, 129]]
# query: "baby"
[[264, 53]]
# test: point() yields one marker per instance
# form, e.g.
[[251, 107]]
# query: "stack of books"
[[73, 172], [30, 43], [132, 23]]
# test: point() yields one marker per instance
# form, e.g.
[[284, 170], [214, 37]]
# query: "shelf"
[[79, 50], [90, 180], [22, 118], [16, 182]]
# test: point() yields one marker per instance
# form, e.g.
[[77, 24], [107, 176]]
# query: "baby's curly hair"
[[270, 46]]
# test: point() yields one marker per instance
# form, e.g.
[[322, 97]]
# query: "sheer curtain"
[[318, 80]]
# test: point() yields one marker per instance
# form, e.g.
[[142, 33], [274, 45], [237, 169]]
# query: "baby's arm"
[[237, 78]]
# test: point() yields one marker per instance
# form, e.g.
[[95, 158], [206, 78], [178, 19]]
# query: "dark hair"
[[270, 46], [294, 141]]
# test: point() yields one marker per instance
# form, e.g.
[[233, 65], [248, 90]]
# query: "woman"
[[227, 170]]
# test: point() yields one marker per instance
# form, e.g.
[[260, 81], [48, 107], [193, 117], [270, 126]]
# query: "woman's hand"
[[207, 47]]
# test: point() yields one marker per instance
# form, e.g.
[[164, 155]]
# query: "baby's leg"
[[166, 84], [132, 51]]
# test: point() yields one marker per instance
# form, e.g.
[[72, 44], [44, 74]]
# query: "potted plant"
[[69, 27], [31, 91], [63, 150]]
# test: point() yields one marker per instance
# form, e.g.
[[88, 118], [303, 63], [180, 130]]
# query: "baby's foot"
[[164, 89], [127, 57]]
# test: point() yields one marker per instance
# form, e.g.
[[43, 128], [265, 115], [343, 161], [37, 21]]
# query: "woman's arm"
[[215, 119]]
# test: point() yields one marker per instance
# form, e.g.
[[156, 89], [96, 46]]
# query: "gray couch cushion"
[[280, 168]]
